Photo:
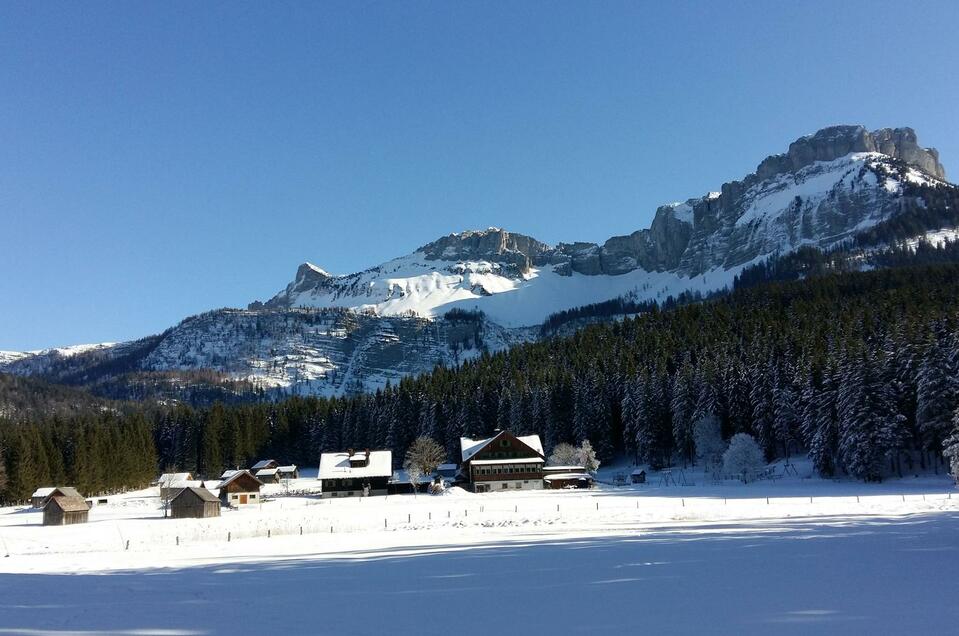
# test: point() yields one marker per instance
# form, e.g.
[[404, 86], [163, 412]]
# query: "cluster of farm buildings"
[[502, 462]]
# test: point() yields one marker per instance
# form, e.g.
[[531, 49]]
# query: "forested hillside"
[[858, 369]]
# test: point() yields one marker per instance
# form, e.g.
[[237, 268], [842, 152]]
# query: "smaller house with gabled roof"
[[268, 475], [503, 462], [240, 489], [288, 472], [65, 510]]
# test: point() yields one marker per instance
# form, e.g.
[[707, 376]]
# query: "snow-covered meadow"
[[789, 556]]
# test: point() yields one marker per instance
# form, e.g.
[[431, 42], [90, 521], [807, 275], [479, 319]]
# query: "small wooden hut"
[[638, 476], [194, 503], [64, 511]]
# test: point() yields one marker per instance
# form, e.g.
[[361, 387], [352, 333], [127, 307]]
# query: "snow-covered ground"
[[816, 556]]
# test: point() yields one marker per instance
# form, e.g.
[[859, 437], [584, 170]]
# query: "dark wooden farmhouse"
[[65, 511], [240, 489], [503, 462], [194, 503], [355, 473], [40, 497]]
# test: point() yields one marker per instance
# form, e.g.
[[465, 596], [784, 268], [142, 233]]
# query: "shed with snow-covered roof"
[[268, 475], [355, 473], [288, 472], [41, 496], [503, 462]]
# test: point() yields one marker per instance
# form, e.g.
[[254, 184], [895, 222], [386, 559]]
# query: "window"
[[252, 495], [504, 443], [234, 497], [505, 486]]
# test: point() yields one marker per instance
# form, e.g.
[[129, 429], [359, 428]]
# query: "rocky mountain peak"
[[493, 244], [834, 142]]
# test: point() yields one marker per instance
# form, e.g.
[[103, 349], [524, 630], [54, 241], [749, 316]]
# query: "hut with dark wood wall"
[[65, 511], [40, 497], [194, 503]]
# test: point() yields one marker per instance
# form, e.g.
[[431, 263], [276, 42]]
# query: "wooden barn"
[[194, 503], [64, 511], [40, 497], [240, 489]]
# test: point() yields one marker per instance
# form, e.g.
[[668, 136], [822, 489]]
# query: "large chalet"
[[503, 462]]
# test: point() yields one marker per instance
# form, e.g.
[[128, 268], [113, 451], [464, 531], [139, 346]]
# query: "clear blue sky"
[[161, 159]]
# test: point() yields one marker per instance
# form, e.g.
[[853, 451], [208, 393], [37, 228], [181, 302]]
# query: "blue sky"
[[161, 159]]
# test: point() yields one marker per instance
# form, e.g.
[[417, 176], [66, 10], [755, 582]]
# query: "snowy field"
[[815, 557]]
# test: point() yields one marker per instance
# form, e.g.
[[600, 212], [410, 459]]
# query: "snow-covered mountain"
[[824, 189], [330, 334]]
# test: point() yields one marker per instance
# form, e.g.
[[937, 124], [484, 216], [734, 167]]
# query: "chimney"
[[349, 451]]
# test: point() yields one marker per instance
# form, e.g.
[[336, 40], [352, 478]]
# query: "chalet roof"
[[638, 471], [65, 491], [69, 503], [267, 472], [337, 465], [447, 467], [287, 469], [228, 473], [236, 476], [470, 447], [43, 492], [565, 469], [202, 493], [263, 463]]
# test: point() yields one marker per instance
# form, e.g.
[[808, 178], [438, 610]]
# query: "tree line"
[[860, 370]]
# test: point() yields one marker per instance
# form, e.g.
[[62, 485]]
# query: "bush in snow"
[[743, 457]]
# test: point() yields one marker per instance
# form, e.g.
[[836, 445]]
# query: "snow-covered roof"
[[263, 463], [513, 460], [166, 479], [565, 469], [637, 471], [235, 476], [447, 467], [469, 447], [228, 473], [202, 493], [267, 472], [43, 492], [567, 476], [337, 465], [287, 469]]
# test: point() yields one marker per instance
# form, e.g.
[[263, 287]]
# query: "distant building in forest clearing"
[[558, 477], [240, 489], [40, 497], [264, 463], [503, 462], [638, 476], [268, 475], [194, 503], [65, 511], [288, 472], [355, 473]]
